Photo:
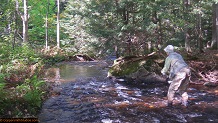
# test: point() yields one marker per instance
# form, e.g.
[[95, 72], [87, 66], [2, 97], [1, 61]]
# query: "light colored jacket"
[[175, 63]]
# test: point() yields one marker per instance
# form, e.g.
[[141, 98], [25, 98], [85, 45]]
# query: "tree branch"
[[17, 9]]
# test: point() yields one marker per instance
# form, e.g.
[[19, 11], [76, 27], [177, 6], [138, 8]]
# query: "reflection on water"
[[77, 71], [90, 97], [69, 73]]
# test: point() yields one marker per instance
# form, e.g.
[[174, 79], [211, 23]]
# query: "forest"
[[35, 34]]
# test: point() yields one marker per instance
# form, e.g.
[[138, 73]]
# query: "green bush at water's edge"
[[22, 98]]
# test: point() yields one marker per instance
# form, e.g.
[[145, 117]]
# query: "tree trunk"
[[24, 18], [160, 36], [25, 21], [200, 35], [125, 16], [187, 41], [186, 28], [214, 43], [58, 24], [46, 26], [15, 29]]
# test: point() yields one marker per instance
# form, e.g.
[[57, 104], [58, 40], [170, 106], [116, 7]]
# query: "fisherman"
[[179, 74]]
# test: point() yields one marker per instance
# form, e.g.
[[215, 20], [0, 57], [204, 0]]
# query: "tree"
[[24, 18], [58, 24], [8, 22], [214, 43], [127, 27], [46, 26], [187, 28], [39, 14], [25, 21], [75, 24], [141, 26]]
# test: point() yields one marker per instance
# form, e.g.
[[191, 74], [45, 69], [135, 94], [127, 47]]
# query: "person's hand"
[[169, 81], [163, 73]]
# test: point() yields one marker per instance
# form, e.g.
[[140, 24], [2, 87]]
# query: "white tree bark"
[[24, 18], [58, 24], [25, 21], [46, 26]]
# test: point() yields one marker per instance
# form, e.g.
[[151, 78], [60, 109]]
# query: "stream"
[[82, 93]]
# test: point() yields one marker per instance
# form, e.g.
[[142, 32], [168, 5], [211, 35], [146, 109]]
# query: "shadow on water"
[[86, 95]]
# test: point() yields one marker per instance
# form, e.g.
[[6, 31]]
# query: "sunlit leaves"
[[37, 12], [75, 25], [216, 1], [2, 84], [108, 18]]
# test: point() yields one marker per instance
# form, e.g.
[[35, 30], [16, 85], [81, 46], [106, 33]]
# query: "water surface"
[[86, 95]]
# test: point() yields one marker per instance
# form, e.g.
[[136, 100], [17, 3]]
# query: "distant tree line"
[[121, 27]]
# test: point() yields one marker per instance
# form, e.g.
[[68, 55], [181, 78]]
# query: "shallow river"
[[83, 94]]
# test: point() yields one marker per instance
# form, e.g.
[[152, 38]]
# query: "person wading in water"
[[179, 74]]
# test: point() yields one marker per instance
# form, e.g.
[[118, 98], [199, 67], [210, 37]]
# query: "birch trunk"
[[25, 22], [58, 24]]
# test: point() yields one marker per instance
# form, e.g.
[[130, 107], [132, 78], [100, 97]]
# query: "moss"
[[125, 67]]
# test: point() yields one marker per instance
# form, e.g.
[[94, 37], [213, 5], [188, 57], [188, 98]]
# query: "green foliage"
[[24, 100], [75, 24], [15, 66], [6, 10], [55, 55], [2, 85], [37, 20], [4, 53], [97, 26], [17, 61], [30, 91], [23, 55], [54, 59], [111, 22], [215, 1]]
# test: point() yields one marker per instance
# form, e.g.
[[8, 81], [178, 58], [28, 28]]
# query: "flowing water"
[[83, 94]]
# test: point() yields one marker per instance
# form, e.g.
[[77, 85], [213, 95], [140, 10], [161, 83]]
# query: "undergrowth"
[[21, 91]]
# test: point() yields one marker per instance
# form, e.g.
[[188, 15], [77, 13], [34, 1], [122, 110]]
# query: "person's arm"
[[166, 66]]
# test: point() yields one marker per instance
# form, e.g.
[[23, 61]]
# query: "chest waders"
[[179, 84]]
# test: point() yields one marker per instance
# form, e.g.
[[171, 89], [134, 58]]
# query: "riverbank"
[[204, 67]]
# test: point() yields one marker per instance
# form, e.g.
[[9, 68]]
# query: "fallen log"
[[81, 57]]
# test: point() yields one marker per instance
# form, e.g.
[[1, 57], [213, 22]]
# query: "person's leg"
[[185, 99], [174, 86], [184, 86], [171, 94], [183, 91]]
